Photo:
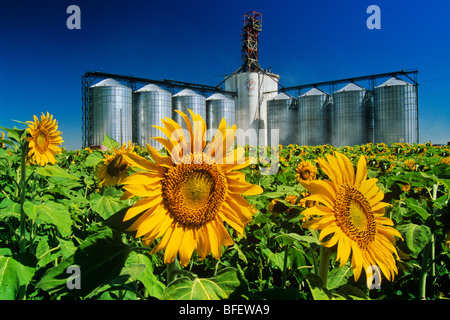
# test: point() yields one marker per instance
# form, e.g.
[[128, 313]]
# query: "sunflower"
[[292, 199], [43, 140], [188, 195], [115, 168], [276, 207], [306, 171], [411, 164], [351, 216], [406, 187], [446, 160], [304, 202]]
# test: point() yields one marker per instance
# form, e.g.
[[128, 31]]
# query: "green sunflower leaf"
[[107, 204], [338, 276], [415, 238], [55, 171], [219, 287], [15, 271], [100, 259], [276, 259], [110, 143], [150, 281], [52, 213], [93, 159]]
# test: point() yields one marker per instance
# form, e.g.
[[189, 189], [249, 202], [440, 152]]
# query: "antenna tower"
[[250, 31]]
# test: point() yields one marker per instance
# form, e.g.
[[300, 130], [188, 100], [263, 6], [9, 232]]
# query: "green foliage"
[[221, 286], [416, 237], [108, 203], [72, 222], [16, 271]]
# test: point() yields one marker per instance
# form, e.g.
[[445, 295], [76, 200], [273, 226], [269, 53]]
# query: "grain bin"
[[109, 112], [313, 118], [282, 116], [188, 99], [150, 105], [396, 112], [350, 116], [219, 106]]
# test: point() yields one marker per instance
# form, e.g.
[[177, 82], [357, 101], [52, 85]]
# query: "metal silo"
[[109, 112], [253, 90], [350, 116], [219, 106], [150, 104], [188, 99], [282, 115], [396, 112], [313, 118]]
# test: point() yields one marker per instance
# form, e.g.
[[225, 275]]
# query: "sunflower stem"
[[285, 267], [423, 278], [428, 260], [325, 254], [172, 271]]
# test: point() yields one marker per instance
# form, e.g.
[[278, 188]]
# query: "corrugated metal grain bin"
[[150, 104], [313, 118], [396, 112], [109, 112], [350, 116], [282, 115], [188, 99]]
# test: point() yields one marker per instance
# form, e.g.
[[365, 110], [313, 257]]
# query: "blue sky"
[[42, 61]]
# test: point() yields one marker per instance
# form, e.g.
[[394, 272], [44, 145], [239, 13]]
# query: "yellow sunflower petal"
[[188, 124], [346, 168], [159, 229], [151, 221], [331, 169], [344, 250], [187, 246], [327, 231], [238, 184], [141, 206], [361, 171], [173, 244], [322, 187], [162, 244], [144, 178], [142, 163], [141, 190], [154, 154]]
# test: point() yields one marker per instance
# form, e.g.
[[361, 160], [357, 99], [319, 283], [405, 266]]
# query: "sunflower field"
[[68, 230]]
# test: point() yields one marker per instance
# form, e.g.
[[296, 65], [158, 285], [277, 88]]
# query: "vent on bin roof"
[[314, 92], [186, 92], [108, 83], [282, 96], [351, 87], [151, 87], [394, 82], [218, 96]]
